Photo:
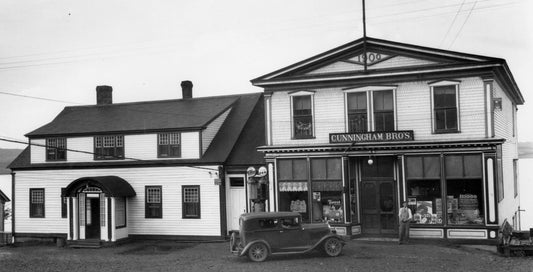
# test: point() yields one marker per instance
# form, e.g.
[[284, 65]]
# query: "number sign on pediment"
[[371, 57]]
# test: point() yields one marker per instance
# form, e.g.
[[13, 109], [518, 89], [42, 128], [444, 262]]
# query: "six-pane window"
[[154, 203], [169, 145], [56, 149], [191, 201], [37, 203], [108, 147], [445, 108], [302, 116], [357, 112], [383, 111]]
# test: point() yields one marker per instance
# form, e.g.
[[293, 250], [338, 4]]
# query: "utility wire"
[[451, 25], [5, 139], [464, 23]]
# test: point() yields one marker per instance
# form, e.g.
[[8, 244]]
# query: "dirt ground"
[[357, 255]]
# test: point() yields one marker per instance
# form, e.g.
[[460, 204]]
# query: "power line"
[[38, 98], [464, 23], [453, 22], [5, 139]]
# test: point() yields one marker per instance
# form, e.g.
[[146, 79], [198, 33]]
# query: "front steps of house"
[[87, 243]]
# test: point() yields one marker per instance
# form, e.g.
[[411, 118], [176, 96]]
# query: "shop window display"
[[424, 189], [293, 186], [464, 189], [326, 183]]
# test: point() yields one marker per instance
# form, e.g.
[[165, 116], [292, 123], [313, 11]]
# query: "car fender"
[[326, 237], [247, 247]]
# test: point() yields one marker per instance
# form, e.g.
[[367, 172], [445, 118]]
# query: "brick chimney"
[[104, 95], [186, 89]]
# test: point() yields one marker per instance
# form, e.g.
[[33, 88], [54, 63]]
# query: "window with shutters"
[[56, 149], [169, 145], [109, 147]]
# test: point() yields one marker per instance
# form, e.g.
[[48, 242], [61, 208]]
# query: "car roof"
[[261, 215]]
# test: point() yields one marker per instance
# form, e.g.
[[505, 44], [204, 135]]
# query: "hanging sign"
[[365, 137]]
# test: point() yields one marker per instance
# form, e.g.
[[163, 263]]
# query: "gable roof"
[[343, 65], [223, 144], [177, 114]]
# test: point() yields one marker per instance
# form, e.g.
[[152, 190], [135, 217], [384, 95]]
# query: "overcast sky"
[[61, 50]]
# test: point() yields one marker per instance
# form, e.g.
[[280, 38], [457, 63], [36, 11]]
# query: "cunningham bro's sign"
[[363, 137]]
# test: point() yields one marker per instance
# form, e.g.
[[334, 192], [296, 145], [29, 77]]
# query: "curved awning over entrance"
[[112, 186]]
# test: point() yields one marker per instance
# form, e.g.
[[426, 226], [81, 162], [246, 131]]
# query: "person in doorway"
[[405, 217]]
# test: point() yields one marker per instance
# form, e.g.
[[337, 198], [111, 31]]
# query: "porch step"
[[89, 243]]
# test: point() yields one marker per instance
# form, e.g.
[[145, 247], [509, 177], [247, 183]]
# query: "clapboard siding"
[[413, 109], [138, 147], [503, 128], [394, 62], [170, 178], [209, 133]]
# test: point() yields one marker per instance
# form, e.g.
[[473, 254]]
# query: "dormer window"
[[302, 115], [56, 149], [169, 145], [109, 147], [445, 106]]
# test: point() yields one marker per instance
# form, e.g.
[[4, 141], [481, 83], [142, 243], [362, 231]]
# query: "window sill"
[[191, 217], [303, 138], [446, 131], [121, 227]]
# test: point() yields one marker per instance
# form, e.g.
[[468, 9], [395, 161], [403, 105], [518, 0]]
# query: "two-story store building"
[[352, 132], [160, 169]]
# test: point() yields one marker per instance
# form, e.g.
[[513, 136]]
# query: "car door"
[[291, 235]]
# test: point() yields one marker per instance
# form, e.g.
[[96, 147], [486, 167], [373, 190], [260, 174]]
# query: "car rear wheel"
[[258, 252], [332, 247]]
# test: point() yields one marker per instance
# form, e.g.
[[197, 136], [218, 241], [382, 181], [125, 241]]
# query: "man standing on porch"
[[405, 217]]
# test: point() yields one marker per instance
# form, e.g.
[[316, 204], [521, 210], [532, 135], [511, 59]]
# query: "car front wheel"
[[332, 247], [258, 252]]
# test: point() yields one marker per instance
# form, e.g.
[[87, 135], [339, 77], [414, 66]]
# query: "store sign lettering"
[[363, 137]]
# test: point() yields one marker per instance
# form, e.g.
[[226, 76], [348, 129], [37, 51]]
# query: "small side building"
[[3, 200]]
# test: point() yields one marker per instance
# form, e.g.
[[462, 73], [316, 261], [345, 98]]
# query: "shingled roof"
[[180, 114], [153, 116]]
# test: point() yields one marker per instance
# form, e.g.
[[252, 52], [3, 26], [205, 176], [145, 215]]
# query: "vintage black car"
[[270, 233]]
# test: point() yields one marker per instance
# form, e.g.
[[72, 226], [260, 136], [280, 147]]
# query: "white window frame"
[[313, 122], [370, 104], [442, 83]]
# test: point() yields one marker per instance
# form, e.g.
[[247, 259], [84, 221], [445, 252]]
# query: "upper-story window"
[[169, 145], [445, 107], [56, 149], [383, 110], [357, 112], [370, 109], [109, 147], [302, 115]]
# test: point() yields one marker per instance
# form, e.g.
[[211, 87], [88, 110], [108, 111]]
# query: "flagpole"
[[364, 36]]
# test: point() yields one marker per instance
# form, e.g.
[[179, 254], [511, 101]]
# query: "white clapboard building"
[[156, 169], [352, 132]]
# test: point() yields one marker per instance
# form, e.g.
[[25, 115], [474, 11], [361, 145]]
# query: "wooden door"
[[378, 207]]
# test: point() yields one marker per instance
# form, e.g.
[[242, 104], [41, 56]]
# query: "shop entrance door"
[[378, 207]]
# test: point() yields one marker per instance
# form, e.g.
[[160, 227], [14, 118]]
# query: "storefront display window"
[[326, 183], [424, 192], [462, 196], [293, 186], [464, 189]]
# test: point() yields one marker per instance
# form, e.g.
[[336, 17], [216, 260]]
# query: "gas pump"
[[257, 188]]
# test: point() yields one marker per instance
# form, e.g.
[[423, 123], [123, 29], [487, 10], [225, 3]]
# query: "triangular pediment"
[[381, 57]]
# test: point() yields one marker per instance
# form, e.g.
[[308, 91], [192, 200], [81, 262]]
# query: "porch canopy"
[[112, 186]]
